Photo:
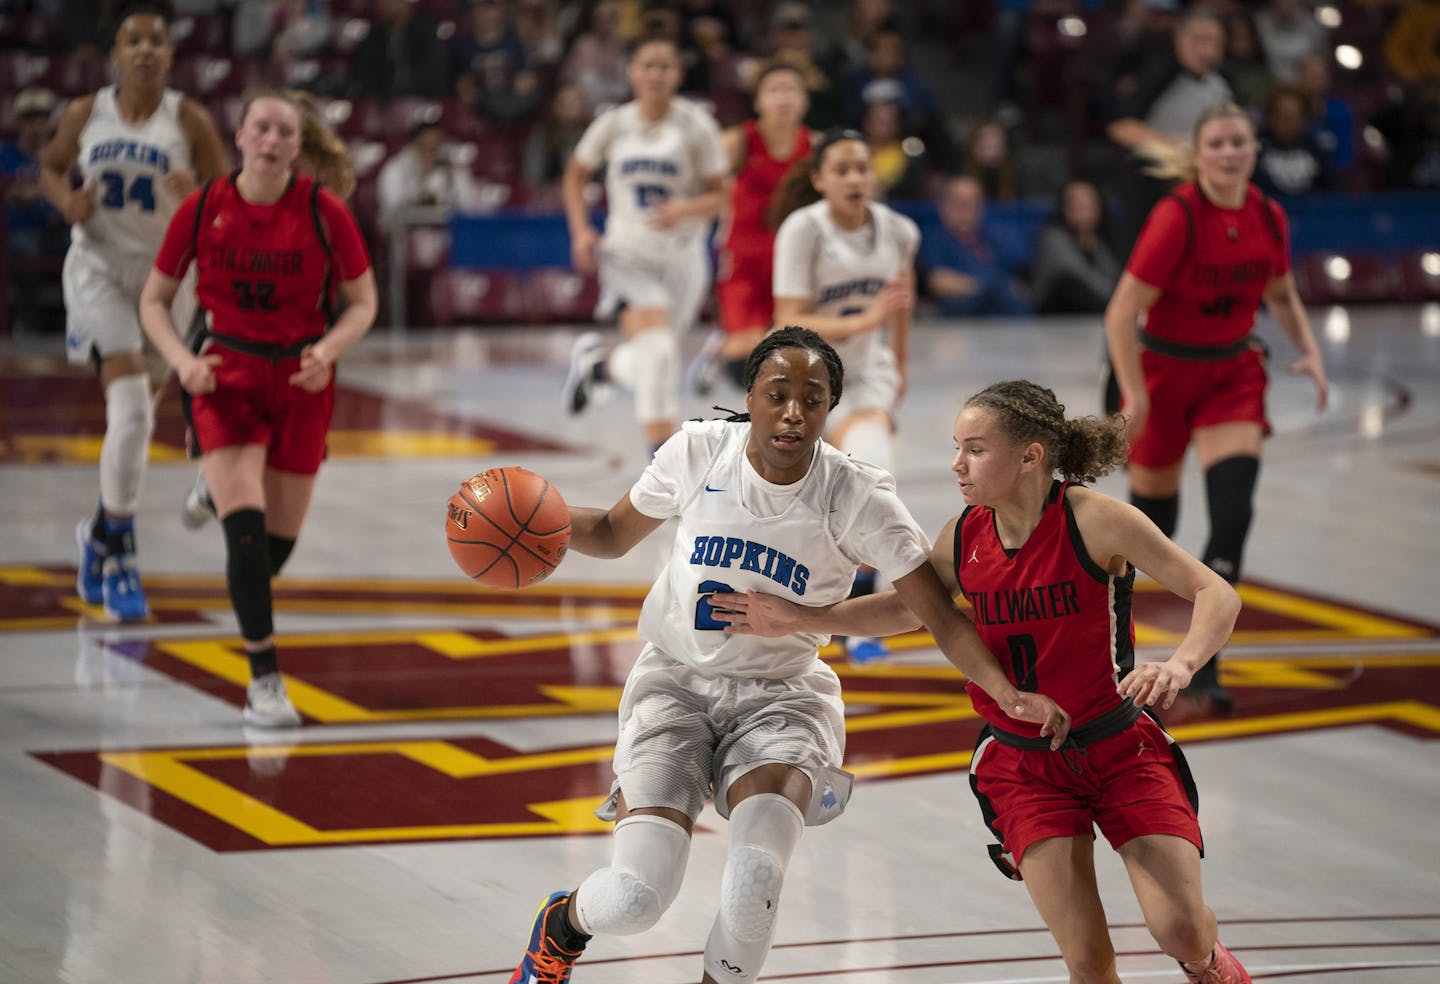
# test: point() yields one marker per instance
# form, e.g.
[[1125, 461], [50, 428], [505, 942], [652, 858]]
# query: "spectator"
[[962, 264], [899, 174], [34, 229], [279, 28], [793, 37], [422, 174], [1412, 131], [1246, 66], [402, 55], [867, 18], [552, 142], [1288, 32], [1412, 45], [886, 74], [1331, 119], [537, 22], [990, 161], [1075, 268], [1291, 161], [1168, 100], [597, 60], [493, 56]]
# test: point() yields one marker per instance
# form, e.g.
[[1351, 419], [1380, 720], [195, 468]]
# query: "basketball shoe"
[[547, 960], [90, 572], [120, 589], [862, 649], [199, 508], [587, 353], [1206, 690], [1223, 969], [267, 705]]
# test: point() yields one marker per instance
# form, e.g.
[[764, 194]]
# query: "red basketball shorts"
[[1186, 394], [254, 403], [745, 291], [1129, 785]]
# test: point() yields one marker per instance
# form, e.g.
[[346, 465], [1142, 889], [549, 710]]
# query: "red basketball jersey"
[[262, 269], [1211, 264], [754, 187], [1058, 622]]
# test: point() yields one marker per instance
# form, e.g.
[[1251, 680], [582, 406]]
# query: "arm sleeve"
[[794, 247], [676, 470], [594, 145], [1162, 243], [177, 249], [345, 241]]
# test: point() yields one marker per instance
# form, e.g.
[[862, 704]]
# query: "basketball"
[[507, 528]]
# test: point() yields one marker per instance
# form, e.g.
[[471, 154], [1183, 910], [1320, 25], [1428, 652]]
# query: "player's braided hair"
[[1082, 449], [793, 336]]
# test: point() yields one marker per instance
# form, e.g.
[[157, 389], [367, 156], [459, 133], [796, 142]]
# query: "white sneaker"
[[588, 350], [268, 706], [704, 370], [199, 508]]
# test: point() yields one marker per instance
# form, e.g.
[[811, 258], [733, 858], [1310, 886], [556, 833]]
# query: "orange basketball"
[[507, 528]]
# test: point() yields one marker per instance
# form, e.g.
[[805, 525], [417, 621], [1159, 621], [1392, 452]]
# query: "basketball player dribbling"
[[762, 504]]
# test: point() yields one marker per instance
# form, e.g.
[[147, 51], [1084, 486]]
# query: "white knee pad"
[[764, 830], [643, 879], [869, 439], [129, 421], [649, 366]]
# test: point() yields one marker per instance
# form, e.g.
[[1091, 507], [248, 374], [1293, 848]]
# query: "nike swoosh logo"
[[709, 489]]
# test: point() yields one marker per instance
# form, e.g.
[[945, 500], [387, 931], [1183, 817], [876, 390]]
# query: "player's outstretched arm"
[[1116, 532], [770, 616], [609, 533]]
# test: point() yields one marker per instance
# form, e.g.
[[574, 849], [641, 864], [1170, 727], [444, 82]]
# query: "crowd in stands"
[[477, 104]]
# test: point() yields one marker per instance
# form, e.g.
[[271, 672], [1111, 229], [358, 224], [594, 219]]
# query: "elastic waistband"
[[1196, 353], [1112, 722], [265, 350]]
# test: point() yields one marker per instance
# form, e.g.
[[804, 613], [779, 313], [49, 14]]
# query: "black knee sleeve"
[[1230, 485], [247, 571], [280, 547], [1164, 512]]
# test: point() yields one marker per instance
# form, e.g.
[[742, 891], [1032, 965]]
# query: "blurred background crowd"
[[475, 106]]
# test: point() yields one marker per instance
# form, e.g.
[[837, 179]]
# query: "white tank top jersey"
[[839, 271], [647, 163], [739, 532], [128, 165]]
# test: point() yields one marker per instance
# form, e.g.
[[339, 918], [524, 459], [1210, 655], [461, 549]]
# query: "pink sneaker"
[[1223, 969]]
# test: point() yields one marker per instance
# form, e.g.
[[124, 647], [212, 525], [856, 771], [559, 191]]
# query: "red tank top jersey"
[[754, 187], [1211, 264], [262, 269], [1058, 622]]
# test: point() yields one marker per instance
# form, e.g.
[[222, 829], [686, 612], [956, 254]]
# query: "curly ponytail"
[[1081, 450]]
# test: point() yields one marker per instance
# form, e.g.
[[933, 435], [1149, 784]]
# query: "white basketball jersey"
[[128, 165], [739, 532], [840, 270], [648, 162]]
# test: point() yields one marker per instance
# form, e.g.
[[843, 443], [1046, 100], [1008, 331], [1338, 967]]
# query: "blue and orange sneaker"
[[546, 961]]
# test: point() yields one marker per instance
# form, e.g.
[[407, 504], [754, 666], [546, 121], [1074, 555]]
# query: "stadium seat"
[[19, 69], [1336, 278], [560, 295], [475, 297], [366, 157], [1419, 272], [205, 76], [200, 35], [350, 32], [402, 114]]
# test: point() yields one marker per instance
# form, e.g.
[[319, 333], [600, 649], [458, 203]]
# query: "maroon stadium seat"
[[559, 295], [475, 297], [1419, 272]]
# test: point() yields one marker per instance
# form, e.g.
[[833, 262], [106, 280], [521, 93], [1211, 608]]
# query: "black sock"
[[263, 662], [97, 525], [598, 373], [559, 928]]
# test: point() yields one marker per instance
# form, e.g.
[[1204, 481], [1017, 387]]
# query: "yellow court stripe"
[[166, 772], [937, 762], [1342, 619], [907, 719], [1410, 712]]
